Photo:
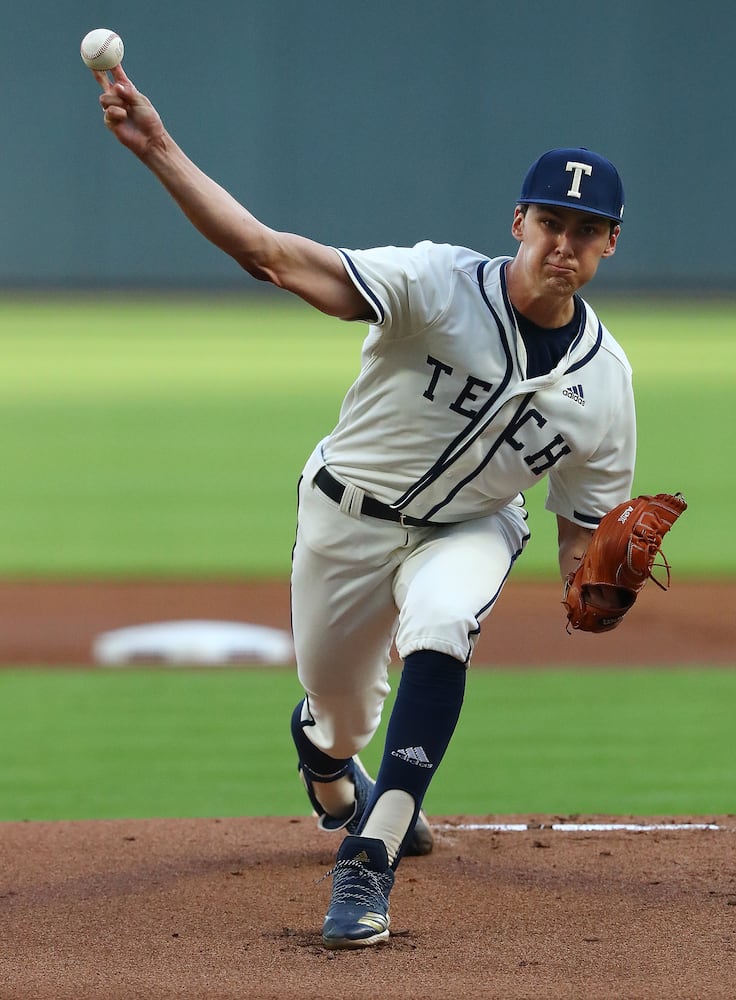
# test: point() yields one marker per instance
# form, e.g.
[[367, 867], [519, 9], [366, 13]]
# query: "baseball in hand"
[[101, 49]]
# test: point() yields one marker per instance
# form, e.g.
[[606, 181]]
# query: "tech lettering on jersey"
[[541, 460], [578, 169], [471, 383], [538, 463], [439, 368], [547, 456]]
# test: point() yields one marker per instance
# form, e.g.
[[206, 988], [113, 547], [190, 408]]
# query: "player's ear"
[[517, 224], [612, 240]]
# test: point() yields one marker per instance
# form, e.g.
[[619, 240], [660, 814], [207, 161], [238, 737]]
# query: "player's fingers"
[[119, 75], [102, 78], [121, 95], [110, 99], [124, 93], [114, 116]]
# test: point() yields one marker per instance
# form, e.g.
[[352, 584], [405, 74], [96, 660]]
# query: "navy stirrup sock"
[[422, 722]]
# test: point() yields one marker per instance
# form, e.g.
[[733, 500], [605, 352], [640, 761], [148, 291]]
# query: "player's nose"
[[564, 243]]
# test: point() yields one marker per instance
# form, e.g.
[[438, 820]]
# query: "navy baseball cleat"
[[361, 882], [420, 841]]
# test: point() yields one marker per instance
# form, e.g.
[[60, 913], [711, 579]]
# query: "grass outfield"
[[180, 743], [165, 437]]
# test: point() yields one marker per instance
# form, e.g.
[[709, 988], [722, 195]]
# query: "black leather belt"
[[370, 506]]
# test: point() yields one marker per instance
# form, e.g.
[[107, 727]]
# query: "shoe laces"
[[353, 882]]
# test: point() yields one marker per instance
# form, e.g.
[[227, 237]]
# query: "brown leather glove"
[[619, 560]]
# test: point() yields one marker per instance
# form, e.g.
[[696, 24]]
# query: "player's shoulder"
[[461, 258], [471, 267], [427, 252], [448, 254]]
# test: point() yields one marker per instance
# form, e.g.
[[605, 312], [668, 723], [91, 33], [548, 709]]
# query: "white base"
[[193, 643]]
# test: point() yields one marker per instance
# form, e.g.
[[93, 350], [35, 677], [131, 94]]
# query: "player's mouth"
[[560, 268]]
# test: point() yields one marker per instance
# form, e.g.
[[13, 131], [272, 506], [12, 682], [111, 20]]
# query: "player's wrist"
[[161, 154]]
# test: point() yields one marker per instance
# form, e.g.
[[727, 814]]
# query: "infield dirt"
[[55, 623]]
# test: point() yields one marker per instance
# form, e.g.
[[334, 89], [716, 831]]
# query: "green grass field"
[[164, 438], [108, 744]]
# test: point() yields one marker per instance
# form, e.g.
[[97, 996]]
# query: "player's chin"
[[563, 283]]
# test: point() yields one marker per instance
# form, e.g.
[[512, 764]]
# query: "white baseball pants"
[[360, 583]]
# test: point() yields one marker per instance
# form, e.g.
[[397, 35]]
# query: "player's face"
[[561, 247]]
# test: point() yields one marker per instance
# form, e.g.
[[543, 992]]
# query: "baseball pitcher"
[[479, 377]]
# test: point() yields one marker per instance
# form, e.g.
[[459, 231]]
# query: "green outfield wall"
[[365, 125]]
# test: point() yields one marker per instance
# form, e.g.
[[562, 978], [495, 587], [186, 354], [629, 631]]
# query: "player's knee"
[[447, 629], [343, 725]]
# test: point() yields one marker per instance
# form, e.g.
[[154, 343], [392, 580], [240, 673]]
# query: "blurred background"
[[363, 125]]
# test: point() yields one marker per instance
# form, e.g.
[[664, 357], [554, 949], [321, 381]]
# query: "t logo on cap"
[[578, 169]]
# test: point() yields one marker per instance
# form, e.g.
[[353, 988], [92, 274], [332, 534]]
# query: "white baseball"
[[101, 49]]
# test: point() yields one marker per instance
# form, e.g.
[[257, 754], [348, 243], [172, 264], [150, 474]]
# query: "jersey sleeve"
[[584, 492], [407, 288]]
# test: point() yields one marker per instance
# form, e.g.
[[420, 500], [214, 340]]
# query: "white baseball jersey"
[[443, 422]]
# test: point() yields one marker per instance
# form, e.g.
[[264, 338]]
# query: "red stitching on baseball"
[[105, 45]]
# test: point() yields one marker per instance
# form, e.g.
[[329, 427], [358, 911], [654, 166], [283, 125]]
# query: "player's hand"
[[129, 115]]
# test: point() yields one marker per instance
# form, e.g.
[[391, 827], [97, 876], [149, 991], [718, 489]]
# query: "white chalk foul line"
[[582, 827]]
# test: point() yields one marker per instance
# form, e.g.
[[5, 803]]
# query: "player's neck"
[[541, 313]]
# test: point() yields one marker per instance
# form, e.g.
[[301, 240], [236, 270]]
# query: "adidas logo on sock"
[[413, 755], [575, 392]]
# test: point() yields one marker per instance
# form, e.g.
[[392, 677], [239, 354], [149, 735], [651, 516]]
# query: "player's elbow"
[[259, 272], [262, 257]]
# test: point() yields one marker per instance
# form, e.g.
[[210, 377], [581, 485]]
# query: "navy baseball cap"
[[575, 178]]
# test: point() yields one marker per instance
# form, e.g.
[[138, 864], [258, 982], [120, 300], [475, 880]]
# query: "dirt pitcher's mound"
[[56, 623], [198, 909]]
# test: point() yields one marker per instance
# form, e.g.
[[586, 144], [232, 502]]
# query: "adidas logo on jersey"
[[575, 392], [413, 755]]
